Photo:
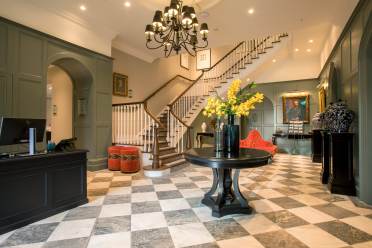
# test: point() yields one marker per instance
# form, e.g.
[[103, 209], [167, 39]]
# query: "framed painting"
[[203, 59], [296, 108], [184, 61], [120, 85]]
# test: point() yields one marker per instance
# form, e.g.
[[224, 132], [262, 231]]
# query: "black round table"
[[229, 199]]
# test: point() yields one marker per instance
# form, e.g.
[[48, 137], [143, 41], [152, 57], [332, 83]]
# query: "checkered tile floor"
[[292, 209]]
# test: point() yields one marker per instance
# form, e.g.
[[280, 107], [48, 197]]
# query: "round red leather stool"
[[114, 158], [130, 159]]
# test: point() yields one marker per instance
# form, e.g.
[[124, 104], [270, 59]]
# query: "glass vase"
[[231, 137], [218, 137]]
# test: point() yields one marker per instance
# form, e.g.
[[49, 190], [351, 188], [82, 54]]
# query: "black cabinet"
[[316, 146], [341, 172], [33, 188], [324, 174]]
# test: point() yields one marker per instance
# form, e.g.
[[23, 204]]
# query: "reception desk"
[[35, 187]]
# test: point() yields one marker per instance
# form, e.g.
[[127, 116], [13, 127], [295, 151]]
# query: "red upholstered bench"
[[254, 140]]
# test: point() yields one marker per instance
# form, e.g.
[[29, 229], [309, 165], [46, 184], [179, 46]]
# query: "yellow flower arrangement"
[[239, 102]]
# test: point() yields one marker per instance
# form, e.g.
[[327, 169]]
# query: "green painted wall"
[[345, 56], [24, 58]]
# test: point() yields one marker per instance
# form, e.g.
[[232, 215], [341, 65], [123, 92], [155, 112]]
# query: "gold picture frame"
[[296, 108], [120, 85]]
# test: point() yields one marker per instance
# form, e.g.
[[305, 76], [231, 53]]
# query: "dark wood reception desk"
[[35, 187]]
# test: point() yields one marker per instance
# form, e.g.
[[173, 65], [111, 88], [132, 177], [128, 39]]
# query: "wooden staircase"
[[167, 136]]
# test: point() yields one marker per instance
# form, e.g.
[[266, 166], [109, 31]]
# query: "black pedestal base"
[[229, 199]]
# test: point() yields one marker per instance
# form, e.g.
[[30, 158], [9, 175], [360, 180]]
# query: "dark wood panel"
[[30, 54], [3, 47], [5, 94], [33, 188], [13, 194]]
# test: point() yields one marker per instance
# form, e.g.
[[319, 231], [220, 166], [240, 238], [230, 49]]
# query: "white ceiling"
[[228, 20]]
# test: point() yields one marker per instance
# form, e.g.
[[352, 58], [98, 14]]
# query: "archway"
[[82, 81], [365, 114]]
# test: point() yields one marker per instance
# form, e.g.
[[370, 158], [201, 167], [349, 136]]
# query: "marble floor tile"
[[315, 237], [361, 222], [335, 211], [117, 199], [120, 191], [112, 225], [204, 213], [120, 184], [180, 217], [52, 219], [145, 207], [264, 206], [257, 223], [279, 239], [115, 210], [188, 185], [143, 188], [285, 219], [159, 181], [195, 202], [345, 232], [147, 221], [141, 182], [243, 242], [121, 239], [189, 193], [143, 197], [268, 193], [287, 202], [311, 215], [190, 234], [308, 200], [67, 243], [363, 245], [225, 229], [100, 185], [152, 238], [83, 213], [172, 194], [164, 187], [122, 178], [349, 205], [72, 229], [30, 234], [174, 204]]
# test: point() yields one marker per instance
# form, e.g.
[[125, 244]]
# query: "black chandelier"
[[176, 28]]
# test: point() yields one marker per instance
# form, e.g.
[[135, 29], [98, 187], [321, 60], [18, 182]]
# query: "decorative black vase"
[[231, 137]]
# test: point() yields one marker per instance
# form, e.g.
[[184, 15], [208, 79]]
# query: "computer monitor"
[[16, 130]]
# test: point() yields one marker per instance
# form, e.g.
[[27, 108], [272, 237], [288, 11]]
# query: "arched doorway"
[[261, 118], [365, 114], [82, 114]]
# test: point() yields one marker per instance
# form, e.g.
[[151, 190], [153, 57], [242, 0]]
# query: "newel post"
[[155, 150]]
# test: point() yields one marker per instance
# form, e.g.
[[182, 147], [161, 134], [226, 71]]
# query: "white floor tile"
[[147, 221], [244, 242], [361, 222], [72, 229], [190, 234], [121, 239], [311, 215], [257, 223], [115, 210], [315, 237]]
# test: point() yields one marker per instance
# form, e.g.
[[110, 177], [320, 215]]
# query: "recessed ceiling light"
[[274, 60], [311, 41], [296, 49], [83, 8], [308, 50], [251, 11], [127, 4]]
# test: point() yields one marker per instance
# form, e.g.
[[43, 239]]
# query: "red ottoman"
[[130, 160], [114, 158]]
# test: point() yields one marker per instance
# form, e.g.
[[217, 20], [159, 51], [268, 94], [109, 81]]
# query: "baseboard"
[[95, 164]]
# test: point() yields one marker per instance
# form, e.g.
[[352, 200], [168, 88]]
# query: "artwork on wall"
[[296, 107], [184, 61], [120, 84], [322, 100], [203, 59]]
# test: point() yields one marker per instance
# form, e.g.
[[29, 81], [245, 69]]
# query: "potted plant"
[[239, 102]]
